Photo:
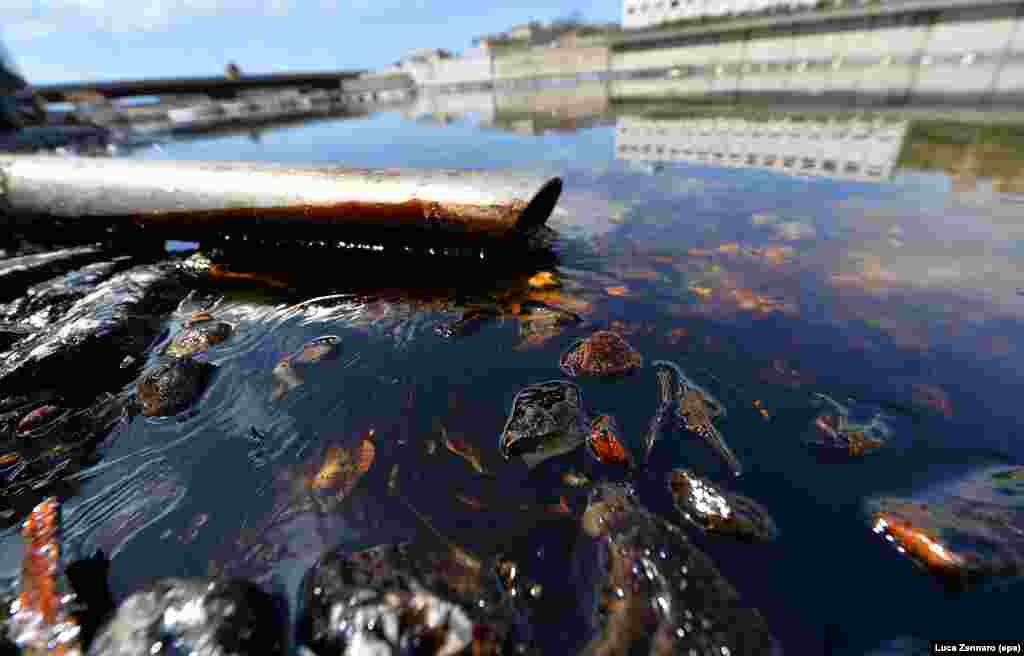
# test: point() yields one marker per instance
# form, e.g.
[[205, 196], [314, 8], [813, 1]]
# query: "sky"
[[73, 40]]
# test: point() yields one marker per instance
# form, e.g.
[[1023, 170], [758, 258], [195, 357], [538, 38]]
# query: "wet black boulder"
[[171, 386], [194, 616]]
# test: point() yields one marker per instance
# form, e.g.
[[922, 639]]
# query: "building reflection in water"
[[853, 149], [545, 106]]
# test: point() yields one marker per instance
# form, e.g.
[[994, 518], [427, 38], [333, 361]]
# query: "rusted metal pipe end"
[[540, 207], [241, 196]]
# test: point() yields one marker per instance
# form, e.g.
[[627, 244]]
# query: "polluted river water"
[[801, 435]]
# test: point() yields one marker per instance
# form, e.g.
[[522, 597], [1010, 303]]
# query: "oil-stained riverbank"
[[862, 338]]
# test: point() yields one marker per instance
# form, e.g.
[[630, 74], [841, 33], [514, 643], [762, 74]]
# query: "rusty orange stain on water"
[[703, 292], [560, 508], [559, 300], [218, 272], [543, 279], [640, 274], [675, 336], [472, 502], [918, 543]]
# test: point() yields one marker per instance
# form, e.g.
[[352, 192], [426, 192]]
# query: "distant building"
[[647, 13], [232, 71], [426, 55], [522, 32]]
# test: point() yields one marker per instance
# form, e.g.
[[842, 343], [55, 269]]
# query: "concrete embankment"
[[951, 51]]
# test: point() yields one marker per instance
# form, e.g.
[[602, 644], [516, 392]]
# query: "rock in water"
[[199, 337], [967, 531], [287, 374], [606, 443], [602, 354], [712, 509], [547, 420], [17, 272], [119, 318], [852, 430], [46, 302], [656, 593], [194, 616], [686, 404], [539, 322], [393, 600], [171, 386]]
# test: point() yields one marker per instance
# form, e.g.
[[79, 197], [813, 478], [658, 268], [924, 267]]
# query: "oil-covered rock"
[[603, 354], [712, 508], [407, 599], [654, 592], [546, 420], [194, 616], [171, 386]]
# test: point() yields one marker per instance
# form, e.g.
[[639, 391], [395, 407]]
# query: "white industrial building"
[[644, 13], [848, 149]]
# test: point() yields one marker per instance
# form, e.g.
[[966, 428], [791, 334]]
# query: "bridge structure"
[[213, 87]]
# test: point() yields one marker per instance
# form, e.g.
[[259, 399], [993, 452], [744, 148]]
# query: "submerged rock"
[[54, 440], [287, 374], [199, 337], [41, 419], [194, 616], [853, 430], [602, 354], [710, 508], [171, 386], [323, 480], [539, 322], [196, 302], [460, 447], [393, 600], [468, 324], [967, 531], [655, 593], [547, 420], [605, 442], [342, 468], [684, 403]]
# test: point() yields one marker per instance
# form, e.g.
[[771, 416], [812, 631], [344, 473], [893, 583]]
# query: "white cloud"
[[25, 20], [28, 29]]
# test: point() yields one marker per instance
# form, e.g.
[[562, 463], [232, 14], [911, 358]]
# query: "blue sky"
[[68, 40]]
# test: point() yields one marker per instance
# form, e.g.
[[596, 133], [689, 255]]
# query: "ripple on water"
[[115, 514]]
